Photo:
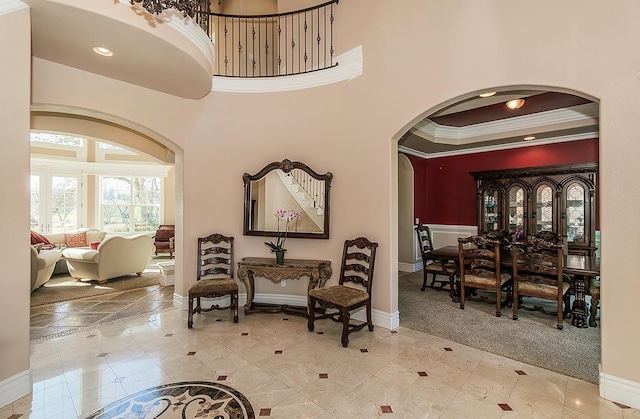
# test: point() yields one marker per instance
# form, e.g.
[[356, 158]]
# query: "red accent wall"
[[445, 192]]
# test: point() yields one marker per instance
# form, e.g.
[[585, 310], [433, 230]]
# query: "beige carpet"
[[65, 288], [533, 338]]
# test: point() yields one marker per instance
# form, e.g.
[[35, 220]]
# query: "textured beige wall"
[[14, 175], [418, 55]]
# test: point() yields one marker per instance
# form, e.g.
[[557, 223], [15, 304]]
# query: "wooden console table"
[[318, 272]]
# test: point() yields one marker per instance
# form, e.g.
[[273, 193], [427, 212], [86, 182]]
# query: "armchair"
[[42, 265], [164, 239]]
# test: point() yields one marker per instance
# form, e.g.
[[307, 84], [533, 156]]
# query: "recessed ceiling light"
[[487, 94], [529, 138], [515, 103], [103, 51]]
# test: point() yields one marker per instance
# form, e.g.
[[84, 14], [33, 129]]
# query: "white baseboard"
[[380, 318], [408, 267], [389, 321], [620, 390], [15, 387]]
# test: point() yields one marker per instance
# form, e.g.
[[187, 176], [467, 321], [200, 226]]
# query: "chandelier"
[[187, 7]]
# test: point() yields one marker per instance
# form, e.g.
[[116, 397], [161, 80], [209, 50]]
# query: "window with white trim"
[[130, 203]]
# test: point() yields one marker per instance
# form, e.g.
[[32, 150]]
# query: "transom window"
[[57, 139]]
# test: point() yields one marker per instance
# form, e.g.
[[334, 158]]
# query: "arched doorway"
[[406, 248], [127, 134], [470, 133]]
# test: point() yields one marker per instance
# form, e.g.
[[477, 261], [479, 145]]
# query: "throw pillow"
[[38, 238], [75, 239], [94, 245]]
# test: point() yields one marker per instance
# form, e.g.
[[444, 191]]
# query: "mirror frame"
[[286, 166]]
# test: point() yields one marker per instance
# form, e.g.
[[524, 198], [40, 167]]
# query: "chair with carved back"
[[434, 267], [479, 265], [352, 292], [553, 237], [214, 276], [538, 272]]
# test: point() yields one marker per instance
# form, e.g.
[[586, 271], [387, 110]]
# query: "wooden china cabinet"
[[560, 198]]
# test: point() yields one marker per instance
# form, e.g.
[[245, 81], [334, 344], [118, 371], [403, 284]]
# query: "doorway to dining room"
[[435, 156]]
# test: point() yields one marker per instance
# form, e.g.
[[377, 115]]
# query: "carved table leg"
[[247, 278]]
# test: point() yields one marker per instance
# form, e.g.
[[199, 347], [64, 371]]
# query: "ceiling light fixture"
[[187, 7], [487, 94], [529, 138], [103, 51], [515, 104]]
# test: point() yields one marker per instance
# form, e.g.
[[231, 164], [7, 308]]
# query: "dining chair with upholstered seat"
[[434, 267], [352, 292], [214, 276], [479, 265], [537, 272]]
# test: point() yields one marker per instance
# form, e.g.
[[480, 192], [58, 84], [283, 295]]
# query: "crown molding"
[[10, 6], [498, 147], [588, 114], [349, 66]]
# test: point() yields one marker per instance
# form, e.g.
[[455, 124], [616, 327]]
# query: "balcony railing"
[[272, 45]]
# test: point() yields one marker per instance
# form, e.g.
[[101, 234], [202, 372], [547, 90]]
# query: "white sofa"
[[42, 265], [92, 235], [115, 256]]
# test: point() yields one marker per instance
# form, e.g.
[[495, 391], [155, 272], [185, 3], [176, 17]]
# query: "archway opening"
[[471, 133]]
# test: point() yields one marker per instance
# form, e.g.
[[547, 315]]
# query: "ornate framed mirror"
[[290, 187]]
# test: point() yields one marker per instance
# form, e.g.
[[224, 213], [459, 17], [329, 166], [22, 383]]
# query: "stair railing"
[[313, 187], [271, 45]]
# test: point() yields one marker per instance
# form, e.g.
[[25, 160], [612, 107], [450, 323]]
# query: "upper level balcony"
[[220, 48]]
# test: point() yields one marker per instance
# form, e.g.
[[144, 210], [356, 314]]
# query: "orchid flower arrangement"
[[517, 235], [287, 216]]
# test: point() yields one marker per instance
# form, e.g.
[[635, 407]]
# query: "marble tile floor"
[[72, 316], [287, 372]]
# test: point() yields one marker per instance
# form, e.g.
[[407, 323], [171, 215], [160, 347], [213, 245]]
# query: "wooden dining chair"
[[431, 266], [214, 276], [352, 292], [480, 268], [537, 272]]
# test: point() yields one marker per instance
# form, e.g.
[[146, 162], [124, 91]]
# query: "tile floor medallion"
[[191, 399]]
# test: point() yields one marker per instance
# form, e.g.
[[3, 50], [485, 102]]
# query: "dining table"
[[583, 269]]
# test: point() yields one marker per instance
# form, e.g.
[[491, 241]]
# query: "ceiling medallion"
[[186, 7]]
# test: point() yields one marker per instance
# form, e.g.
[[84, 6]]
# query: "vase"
[[280, 256]]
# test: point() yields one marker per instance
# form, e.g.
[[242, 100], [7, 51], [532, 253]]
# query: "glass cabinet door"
[[575, 212], [544, 208], [491, 206], [515, 207]]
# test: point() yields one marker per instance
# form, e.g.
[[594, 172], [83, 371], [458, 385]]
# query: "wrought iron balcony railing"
[[271, 45]]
